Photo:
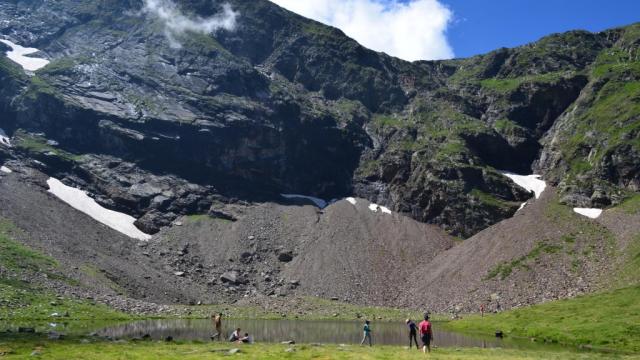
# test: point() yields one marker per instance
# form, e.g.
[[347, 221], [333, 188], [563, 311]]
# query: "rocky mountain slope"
[[221, 107], [283, 104], [347, 251]]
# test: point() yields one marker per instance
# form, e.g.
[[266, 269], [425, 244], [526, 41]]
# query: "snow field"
[[4, 139], [589, 212], [18, 54], [80, 201], [527, 182]]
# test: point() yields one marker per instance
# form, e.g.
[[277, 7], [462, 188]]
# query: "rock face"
[[160, 126]]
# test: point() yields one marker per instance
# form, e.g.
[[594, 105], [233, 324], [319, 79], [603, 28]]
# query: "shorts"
[[426, 339]]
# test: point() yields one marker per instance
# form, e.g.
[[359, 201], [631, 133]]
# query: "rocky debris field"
[[273, 253], [545, 252], [270, 250]]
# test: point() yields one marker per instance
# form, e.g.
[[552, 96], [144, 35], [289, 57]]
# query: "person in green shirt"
[[367, 333]]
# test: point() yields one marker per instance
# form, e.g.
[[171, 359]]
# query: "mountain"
[[222, 106]]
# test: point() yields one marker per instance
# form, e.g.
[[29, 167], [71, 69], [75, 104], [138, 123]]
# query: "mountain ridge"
[[370, 124]]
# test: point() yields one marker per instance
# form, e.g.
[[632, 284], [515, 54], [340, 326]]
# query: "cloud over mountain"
[[414, 30], [176, 22]]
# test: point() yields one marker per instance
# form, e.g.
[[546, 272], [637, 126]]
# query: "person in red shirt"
[[426, 334]]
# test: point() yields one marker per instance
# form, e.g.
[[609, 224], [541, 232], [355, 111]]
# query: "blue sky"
[[480, 26], [441, 29]]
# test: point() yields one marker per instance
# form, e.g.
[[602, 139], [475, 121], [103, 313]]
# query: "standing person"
[[217, 323], [426, 334], [367, 333], [413, 330]]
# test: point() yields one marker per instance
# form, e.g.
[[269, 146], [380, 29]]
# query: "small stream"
[[275, 331]]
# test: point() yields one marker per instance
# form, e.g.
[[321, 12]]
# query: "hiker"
[[426, 334], [413, 330], [246, 339], [217, 323], [235, 336], [367, 333], [481, 310]]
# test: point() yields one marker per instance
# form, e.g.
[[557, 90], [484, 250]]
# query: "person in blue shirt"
[[367, 333], [413, 333]]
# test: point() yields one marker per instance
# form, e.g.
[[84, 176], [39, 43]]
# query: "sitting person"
[[235, 336], [246, 339]]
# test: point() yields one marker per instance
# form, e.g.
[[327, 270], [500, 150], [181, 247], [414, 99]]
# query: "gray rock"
[[230, 277], [55, 336]]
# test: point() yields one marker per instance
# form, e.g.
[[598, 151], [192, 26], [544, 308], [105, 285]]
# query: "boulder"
[[285, 256], [230, 277]]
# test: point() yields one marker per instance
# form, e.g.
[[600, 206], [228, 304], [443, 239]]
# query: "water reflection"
[[328, 332]]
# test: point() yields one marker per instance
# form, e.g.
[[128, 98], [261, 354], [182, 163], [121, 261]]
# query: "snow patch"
[[17, 55], [527, 182], [4, 139], [5, 170], [317, 201], [589, 212], [351, 200], [79, 200], [522, 206], [376, 207]]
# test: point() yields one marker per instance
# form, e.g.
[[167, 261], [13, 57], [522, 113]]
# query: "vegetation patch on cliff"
[[505, 269]]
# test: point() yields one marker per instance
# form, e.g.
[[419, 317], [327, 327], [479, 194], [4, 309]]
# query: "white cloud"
[[414, 30], [176, 22]]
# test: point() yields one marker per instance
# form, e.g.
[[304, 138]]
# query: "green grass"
[[605, 320], [451, 150], [39, 86], [564, 216], [501, 85], [609, 123], [507, 85], [63, 65], [198, 218], [22, 348], [505, 269], [17, 257], [508, 127], [30, 306], [38, 145], [631, 205], [490, 200], [25, 304], [11, 69], [627, 273], [382, 121]]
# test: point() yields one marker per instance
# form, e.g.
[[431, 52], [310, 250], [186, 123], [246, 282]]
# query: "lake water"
[[275, 331]]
